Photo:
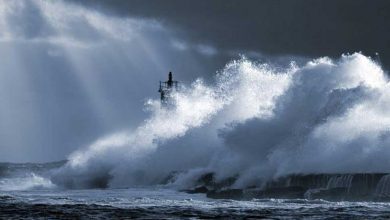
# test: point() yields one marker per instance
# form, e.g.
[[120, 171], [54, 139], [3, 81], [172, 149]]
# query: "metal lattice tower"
[[166, 88]]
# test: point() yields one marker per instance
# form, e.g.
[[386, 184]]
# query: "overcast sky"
[[273, 27], [73, 71]]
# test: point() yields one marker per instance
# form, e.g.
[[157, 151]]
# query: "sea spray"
[[333, 118], [194, 107], [256, 123], [27, 181]]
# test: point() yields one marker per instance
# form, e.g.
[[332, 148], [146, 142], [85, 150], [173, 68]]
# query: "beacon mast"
[[166, 89]]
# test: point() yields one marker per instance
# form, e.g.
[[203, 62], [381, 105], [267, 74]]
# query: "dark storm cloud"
[[298, 27]]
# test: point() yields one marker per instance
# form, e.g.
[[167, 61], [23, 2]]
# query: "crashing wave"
[[256, 122]]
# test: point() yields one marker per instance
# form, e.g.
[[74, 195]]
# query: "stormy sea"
[[306, 138], [286, 155], [26, 192]]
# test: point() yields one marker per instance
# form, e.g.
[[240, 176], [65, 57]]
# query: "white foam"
[[28, 181]]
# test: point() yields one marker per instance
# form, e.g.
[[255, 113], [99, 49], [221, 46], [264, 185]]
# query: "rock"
[[335, 187], [333, 194], [226, 194], [276, 192], [200, 189]]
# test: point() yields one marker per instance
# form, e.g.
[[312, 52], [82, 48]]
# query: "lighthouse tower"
[[166, 89]]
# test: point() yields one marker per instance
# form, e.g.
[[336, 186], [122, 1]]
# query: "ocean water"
[[162, 203], [27, 192]]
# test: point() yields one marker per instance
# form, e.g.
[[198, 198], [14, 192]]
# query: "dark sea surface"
[[160, 203], [26, 192]]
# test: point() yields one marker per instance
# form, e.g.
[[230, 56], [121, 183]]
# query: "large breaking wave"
[[255, 122]]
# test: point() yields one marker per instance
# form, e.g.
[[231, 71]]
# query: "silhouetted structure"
[[166, 88]]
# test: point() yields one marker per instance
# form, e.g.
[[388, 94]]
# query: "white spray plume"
[[242, 90], [257, 123]]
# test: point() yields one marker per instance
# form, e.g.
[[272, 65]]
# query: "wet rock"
[[200, 189], [226, 194], [276, 192], [207, 179], [333, 194], [334, 187]]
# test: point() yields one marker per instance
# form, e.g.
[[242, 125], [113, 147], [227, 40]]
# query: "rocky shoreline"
[[332, 187]]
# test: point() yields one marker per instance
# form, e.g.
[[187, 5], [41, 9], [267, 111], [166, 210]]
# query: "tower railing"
[[165, 88]]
